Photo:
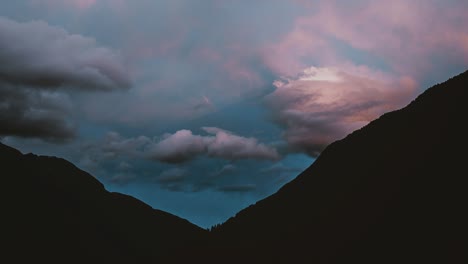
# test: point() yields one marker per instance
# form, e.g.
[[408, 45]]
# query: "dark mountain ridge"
[[55, 212]]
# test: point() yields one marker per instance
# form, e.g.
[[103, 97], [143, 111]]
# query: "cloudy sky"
[[201, 108]]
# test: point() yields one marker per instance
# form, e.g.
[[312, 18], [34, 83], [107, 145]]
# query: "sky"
[[201, 108]]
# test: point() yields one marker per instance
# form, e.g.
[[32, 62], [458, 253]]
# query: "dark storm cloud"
[[38, 64], [29, 113], [35, 54]]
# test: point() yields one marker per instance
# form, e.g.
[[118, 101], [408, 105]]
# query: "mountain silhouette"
[[53, 212], [395, 191]]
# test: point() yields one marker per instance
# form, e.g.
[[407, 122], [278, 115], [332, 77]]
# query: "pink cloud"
[[318, 105], [405, 34], [321, 105]]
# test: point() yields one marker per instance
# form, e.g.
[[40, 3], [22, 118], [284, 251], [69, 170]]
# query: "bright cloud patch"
[[321, 105], [183, 145]]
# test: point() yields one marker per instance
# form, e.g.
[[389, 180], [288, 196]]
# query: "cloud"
[[115, 157], [41, 64], [405, 36], [408, 40], [176, 70], [112, 148], [38, 55], [183, 145], [318, 105], [114, 145], [178, 147], [28, 113], [321, 105]]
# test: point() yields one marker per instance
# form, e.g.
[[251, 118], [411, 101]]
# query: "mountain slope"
[[394, 191], [54, 212]]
